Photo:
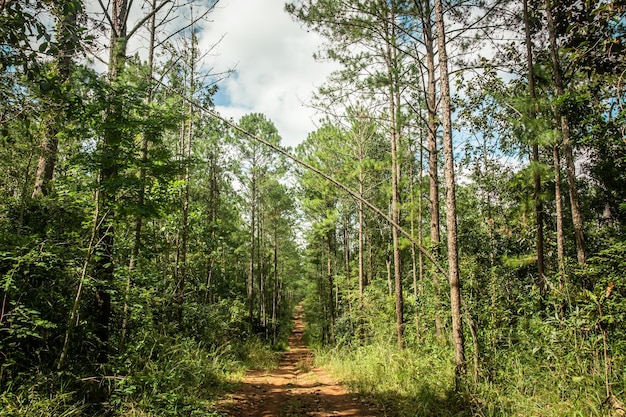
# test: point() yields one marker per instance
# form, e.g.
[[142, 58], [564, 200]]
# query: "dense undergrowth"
[[163, 376], [550, 363], [163, 370], [419, 381], [176, 358]]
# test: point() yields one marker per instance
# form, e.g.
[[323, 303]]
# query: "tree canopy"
[[454, 227]]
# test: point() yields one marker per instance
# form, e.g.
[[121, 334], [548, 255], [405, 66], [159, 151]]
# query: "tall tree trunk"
[[331, 284], [451, 221], [251, 269], [112, 138], [388, 256], [47, 157], [361, 234], [346, 256], [535, 154], [276, 286], [214, 201], [184, 239], [392, 67], [262, 271], [570, 168], [425, 9], [418, 260], [187, 150], [558, 198], [66, 13], [361, 247], [145, 139]]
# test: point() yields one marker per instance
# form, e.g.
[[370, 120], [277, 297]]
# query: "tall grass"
[[419, 381], [162, 376], [402, 383], [187, 377]]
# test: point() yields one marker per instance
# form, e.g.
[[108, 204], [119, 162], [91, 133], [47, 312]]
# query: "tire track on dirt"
[[295, 389]]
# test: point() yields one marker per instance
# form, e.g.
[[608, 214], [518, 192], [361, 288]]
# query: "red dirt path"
[[295, 389]]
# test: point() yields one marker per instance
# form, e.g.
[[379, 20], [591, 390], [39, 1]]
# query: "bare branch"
[[317, 171], [148, 16], [105, 10]]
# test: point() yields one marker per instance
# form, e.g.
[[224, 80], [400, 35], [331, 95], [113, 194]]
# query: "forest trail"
[[294, 389]]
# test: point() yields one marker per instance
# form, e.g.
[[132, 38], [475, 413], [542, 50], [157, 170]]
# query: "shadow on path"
[[294, 389]]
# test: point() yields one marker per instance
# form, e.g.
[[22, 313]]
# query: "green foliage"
[[34, 401], [38, 267], [415, 381], [545, 369], [168, 376], [196, 298]]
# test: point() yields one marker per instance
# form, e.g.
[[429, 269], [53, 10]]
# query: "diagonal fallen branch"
[[317, 171]]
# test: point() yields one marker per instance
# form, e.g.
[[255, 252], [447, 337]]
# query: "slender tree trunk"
[[361, 234], [112, 138], [134, 253], [451, 221], [558, 198], [418, 270], [425, 9], [262, 271], [346, 253], [535, 154], [392, 64], [570, 168], [276, 286], [214, 201], [251, 269], [74, 310], [388, 257], [331, 284], [182, 277], [361, 248], [65, 29], [187, 149], [370, 260]]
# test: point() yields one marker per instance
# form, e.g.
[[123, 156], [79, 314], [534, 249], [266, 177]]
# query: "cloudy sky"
[[275, 73]]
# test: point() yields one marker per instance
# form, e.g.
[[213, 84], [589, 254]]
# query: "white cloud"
[[272, 55]]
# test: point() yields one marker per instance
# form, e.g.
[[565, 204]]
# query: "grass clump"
[[174, 377], [185, 377], [159, 376], [419, 381], [402, 383]]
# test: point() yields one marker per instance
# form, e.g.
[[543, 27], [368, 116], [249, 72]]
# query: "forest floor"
[[294, 389]]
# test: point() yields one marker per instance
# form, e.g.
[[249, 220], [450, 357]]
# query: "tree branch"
[[317, 171]]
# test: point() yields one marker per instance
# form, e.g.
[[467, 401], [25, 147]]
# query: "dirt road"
[[295, 389]]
